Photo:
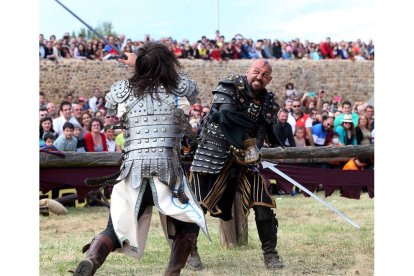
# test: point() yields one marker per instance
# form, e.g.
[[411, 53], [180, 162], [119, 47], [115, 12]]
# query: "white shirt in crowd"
[[60, 121]]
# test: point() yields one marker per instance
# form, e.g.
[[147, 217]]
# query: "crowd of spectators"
[[305, 119], [218, 48]]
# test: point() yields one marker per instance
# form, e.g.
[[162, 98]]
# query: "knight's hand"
[[252, 153], [130, 62], [249, 155]]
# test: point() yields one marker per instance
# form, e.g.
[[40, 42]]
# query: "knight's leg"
[[97, 251], [267, 225], [182, 245]]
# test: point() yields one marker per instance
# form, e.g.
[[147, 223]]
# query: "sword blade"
[[294, 182], [89, 27]]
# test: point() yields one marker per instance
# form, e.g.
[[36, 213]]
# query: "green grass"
[[312, 240]]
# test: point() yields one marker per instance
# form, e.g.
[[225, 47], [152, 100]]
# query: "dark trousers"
[[266, 221]]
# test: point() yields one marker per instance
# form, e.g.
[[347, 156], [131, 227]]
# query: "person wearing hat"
[[346, 131]]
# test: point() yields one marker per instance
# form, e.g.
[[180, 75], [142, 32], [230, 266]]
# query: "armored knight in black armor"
[[225, 163]]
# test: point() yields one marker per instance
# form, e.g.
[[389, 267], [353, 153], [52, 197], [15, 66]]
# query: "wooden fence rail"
[[291, 155]]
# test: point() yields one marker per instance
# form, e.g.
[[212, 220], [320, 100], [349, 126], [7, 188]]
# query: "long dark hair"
[[155, 65]]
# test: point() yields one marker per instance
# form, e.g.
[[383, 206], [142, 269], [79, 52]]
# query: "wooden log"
[[81, 159], [102, 159], [318, 152]]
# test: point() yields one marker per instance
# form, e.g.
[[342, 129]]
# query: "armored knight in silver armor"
[[154, 129], [225, 163], [151, 173]]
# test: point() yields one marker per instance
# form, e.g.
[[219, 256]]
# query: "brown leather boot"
[[98, 250], [181, 248], [194, 260]]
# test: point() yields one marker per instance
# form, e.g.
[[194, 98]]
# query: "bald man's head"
[[259, 75]]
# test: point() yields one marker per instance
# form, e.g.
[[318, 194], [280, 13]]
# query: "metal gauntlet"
[[249, 155]]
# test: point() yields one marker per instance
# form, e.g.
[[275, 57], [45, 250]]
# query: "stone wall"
[[351, 80]]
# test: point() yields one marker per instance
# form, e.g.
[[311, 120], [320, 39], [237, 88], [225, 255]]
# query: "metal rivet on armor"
[[222, 99], [139, 151], [146, 150], [163, 139], [163, 129], [136, 120], [153, 150], [155, 118], [145, 119], [159, 103], [140, 104], [224, 89], [155, 129], [138, 131], [154, 140], [164, 118], [139, 141], [160, 150], [215, 97], [147, 130]]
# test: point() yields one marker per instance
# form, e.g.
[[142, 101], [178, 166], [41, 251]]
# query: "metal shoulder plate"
[[119, 92], [226, 91], [186, 87], [235, 80], [270, 107]]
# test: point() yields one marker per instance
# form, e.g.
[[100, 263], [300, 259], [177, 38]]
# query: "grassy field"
[[312, 240]]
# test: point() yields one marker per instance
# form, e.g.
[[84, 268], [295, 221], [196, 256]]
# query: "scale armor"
[[154, 129], [213, 151]]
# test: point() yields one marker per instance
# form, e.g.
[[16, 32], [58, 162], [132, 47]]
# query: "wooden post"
[[241, 222], [227, 232], [234, 232]]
